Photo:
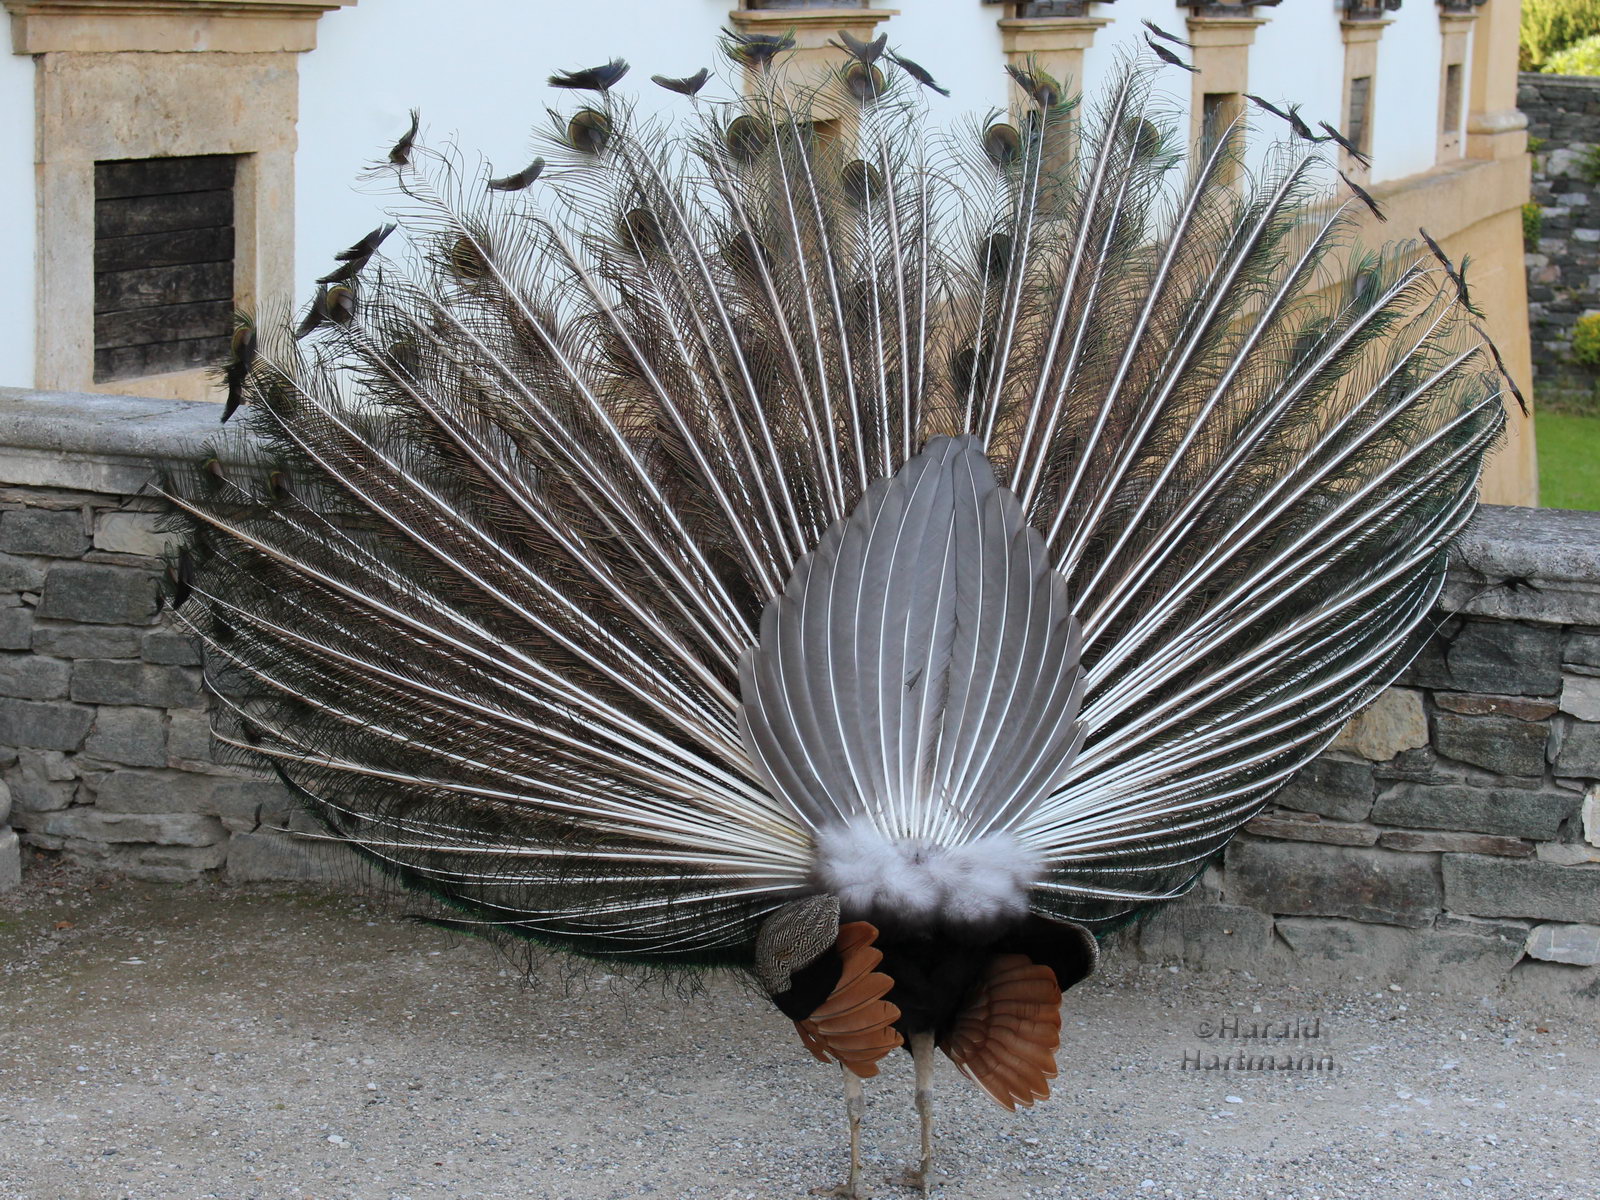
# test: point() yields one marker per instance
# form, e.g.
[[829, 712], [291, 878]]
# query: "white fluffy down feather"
[[976, 883]]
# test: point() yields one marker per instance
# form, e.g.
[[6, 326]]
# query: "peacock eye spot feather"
[[865, 82], [747, 138], [861, 181], [589, 131], [1002, 143]]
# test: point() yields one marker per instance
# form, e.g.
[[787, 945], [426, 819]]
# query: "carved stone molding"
[[1370, 10], [1225, 8], [1057, 44], [812, 29], [166, 26]]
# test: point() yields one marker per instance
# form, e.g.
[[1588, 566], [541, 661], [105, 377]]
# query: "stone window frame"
[[97, 60]]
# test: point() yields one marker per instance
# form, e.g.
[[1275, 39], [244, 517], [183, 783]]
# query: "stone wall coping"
[[112, 444], [1589, 83], [97, 443]]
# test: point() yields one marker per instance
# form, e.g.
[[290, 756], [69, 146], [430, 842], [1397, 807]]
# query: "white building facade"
[[137, 131]]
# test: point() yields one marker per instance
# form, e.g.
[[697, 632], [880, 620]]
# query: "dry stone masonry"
[[1564, 264], [1453, 827]]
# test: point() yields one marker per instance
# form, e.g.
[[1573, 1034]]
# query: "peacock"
[[812, 537]]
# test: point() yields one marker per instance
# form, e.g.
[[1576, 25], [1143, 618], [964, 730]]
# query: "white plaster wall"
[[18, 219], [1297, 58], [1405, 135]]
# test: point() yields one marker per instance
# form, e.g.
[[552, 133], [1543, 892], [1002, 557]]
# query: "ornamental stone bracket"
[[166, 26], [1057, 44], [812, 28], [138, 79]]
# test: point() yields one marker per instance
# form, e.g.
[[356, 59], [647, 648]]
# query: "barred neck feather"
[[498, 547]]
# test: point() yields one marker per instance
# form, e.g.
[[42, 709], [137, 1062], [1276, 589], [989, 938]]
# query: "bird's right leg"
[[921, 1176], [855, 1106]]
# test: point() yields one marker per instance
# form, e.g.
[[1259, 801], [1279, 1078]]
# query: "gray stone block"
[[1505, 887], [1337, 788], [36, 784], [43, 726], [30, 677], [1583, 650], [85, 641], [1503, 745], [131, 533], [1300, 879], [241, 802], [5, 804], [1580, 696], [1579, 753], [135, 736], [99, 594], [1515, 932], [1456, 843], [21, 574], [1510, 812], [1298, 827], [1499, 656], [263, 856], [1209, 936], [1506, 657], [1576, 945], [169, 647], [114, 681], [53, 533], [10, 859], [155, 792], [16, 628], [189, 736], [163, 829], [1383, 951]]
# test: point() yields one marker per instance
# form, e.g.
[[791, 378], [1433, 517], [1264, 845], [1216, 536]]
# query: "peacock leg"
[[855, 1106], [922, 1176]]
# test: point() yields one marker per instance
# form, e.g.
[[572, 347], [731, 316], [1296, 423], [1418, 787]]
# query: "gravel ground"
[[212, 1042]]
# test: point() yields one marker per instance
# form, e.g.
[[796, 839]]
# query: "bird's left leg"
[[855, 1106], [922, 1175]]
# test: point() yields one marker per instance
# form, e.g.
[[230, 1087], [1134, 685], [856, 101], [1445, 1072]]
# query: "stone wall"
[[1453, 826], [105, 746], [1564, 267]]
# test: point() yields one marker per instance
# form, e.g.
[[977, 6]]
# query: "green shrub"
[[1532, 225], [1551, 25], [1580, 58], [1586, 340], [1535, 144]]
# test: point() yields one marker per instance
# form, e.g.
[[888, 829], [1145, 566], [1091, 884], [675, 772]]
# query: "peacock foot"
[[849, 1190], [921, 1178]]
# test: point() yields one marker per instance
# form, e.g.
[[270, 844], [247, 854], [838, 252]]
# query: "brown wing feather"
[[855, 1024], [1006, 1040]]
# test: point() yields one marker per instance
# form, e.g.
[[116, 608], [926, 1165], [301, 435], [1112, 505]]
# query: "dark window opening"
[[1358, 122], [1451, 120], [163, 264], [1218, 111]]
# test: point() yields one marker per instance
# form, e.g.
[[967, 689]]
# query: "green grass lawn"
[[1569, 460]]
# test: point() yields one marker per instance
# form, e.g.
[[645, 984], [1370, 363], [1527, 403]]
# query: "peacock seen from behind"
[[804, 540]]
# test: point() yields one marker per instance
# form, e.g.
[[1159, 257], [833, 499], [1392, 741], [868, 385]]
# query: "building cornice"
[[166, 26]]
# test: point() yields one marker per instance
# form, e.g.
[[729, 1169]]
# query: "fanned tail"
[[482, 579]]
